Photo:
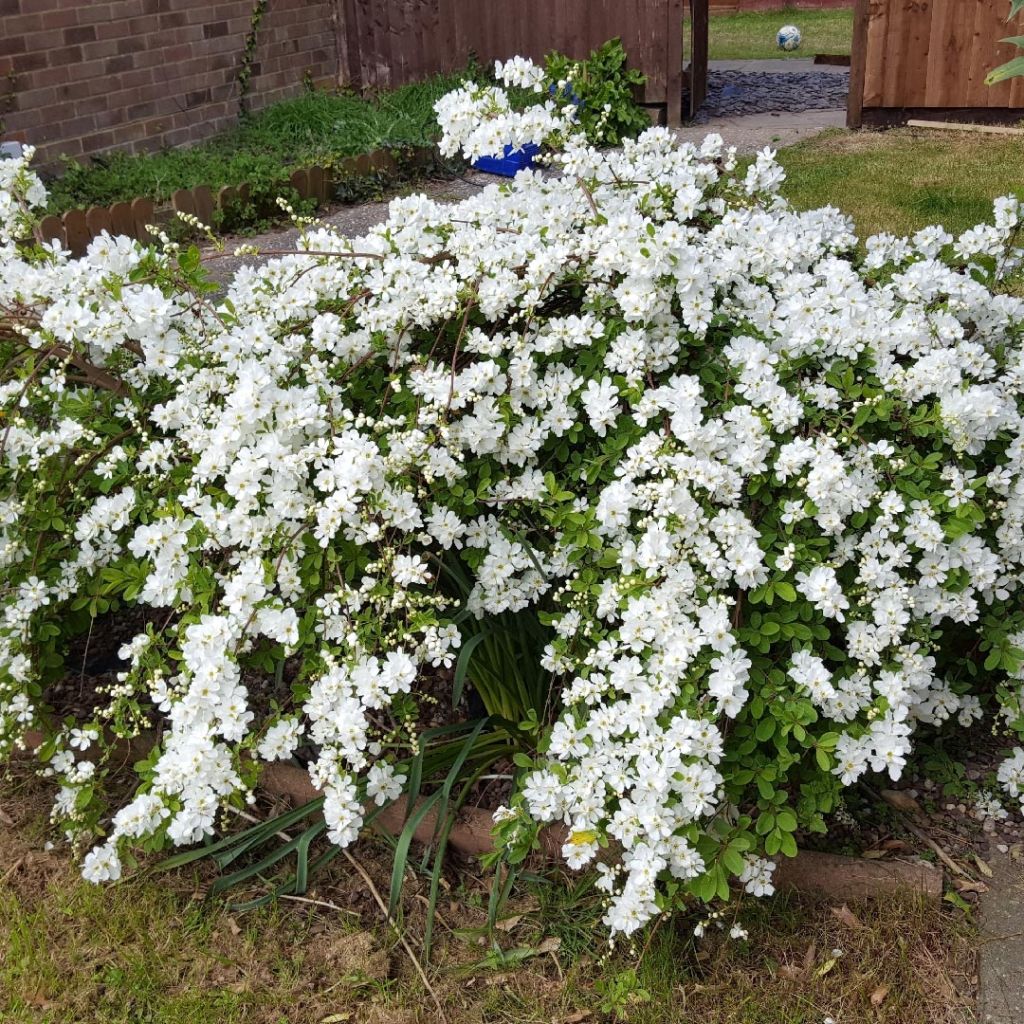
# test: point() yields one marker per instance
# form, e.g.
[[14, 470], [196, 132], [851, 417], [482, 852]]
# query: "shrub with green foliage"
[[607, 90], [708, 515]]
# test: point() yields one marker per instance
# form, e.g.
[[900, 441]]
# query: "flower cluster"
[[766, 493]]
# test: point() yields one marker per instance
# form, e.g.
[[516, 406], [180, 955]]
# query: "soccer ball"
[[788, 37]]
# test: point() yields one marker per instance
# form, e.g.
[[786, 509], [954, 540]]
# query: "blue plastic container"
[[510, 162]]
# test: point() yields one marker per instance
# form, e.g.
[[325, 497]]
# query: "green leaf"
[[786, 820], [733, 860], [462, 664], [1011, 69]]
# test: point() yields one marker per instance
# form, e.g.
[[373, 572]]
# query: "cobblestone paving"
[[733, 93]]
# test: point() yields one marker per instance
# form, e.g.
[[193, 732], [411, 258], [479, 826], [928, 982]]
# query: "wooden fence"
[[929, 58], [390, 42]]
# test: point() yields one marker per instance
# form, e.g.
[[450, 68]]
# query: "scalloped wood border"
[[75, 229]]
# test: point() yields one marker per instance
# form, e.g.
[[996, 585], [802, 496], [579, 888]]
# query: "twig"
[[394, 927], [590, 198], [925, 838], [319, 903], [12, 869], [297, 252], [257, 821], [939, 851]]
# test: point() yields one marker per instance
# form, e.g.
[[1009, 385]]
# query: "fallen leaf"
[[336, 1018], [809, 956], [5, 818], [508, 923], [233, 926], [898, 799], [894, 844], [878, 996], [848, 917], [983, 867], [826, 967], [552, 944], [874, 854], [791, 972], [576, 1016]]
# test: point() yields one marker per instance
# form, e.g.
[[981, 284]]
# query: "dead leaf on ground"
[[508, 923], [793, 972], [894, 844], [878, 996], [5, 818], [969, 885], [552, 944], [874, 854], [576, 1016], [901, 801], [810, 954], [846, 916], [983, 867]]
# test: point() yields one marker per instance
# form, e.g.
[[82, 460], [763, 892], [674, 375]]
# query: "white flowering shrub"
[[765, 493]]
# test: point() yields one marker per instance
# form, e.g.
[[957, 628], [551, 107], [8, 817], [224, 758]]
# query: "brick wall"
[[79, 77]]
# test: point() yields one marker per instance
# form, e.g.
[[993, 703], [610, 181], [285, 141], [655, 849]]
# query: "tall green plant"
[[606, 90]]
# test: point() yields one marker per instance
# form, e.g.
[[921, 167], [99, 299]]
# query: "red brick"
[[79, 34]]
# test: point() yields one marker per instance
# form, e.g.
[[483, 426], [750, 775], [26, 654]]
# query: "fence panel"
[[921, 57], [397, 41]]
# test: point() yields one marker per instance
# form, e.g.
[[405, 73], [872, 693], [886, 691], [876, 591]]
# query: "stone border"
[[838, 877], [834, 876]]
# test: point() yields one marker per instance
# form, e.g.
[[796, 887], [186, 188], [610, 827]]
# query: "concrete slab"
[[1001, 973], [753, 132]]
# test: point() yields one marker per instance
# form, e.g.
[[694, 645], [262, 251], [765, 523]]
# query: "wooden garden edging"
[[75, 229]]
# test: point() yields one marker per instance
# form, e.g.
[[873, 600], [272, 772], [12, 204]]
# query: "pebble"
[[734, 93], [1002, 848]]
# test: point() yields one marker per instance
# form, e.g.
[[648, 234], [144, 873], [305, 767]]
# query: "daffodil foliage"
[[763, 487]]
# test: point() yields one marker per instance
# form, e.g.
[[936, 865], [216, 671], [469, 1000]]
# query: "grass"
[[901, 180], [315, 128], [750, 35], [155, 951]]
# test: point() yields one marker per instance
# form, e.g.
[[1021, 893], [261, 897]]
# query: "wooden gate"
[[929, 58], [386, 43]]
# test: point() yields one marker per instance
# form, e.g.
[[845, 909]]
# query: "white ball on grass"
[[788, 37]]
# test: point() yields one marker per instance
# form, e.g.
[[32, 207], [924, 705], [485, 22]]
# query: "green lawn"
[[750, 35], [317, 127], [901, 180]]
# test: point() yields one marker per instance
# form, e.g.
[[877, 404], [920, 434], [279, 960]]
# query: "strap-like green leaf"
[[1011, 69], [462, 664], [402, 850]]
